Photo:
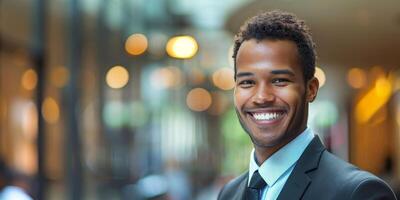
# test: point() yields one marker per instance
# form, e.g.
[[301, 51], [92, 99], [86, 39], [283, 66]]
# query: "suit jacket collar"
[[272, 169], [299, 180]]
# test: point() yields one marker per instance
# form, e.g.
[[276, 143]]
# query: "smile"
[[267, 116]]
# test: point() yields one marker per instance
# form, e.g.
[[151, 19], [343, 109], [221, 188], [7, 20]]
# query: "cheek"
[[240, 97], [291, 96]]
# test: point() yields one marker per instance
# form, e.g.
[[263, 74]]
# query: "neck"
[[262, 153]]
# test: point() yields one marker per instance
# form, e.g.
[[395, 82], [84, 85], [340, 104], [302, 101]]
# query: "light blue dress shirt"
[[276, 169]]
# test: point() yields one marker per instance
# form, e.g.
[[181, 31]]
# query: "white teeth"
[[266, 116]]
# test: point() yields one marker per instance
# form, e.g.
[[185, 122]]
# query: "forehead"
[[268, 54]]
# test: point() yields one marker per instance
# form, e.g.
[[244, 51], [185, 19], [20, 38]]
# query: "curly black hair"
[[280, 25]]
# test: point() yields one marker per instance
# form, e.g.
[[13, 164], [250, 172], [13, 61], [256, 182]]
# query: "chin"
[[266, 139], [267, 143]]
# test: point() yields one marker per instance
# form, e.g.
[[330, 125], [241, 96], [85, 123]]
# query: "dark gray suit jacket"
[[319, 175]]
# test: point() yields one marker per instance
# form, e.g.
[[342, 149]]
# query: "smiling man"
[[274, 58]]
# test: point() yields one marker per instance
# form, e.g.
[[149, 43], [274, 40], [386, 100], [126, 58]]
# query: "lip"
[[266, 123]]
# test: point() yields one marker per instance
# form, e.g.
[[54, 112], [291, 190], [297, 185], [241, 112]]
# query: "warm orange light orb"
[[136, 44], [117, 77], [198, 99], [357, 78], [29, 79], [166, 77], [223, 78], [50, 110]]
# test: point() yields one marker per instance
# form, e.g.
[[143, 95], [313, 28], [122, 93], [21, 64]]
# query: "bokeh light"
[[114, 114], [59, 76], [320, 74], [373, 100], [182, 47], [357, 78], [50, 110], [117, 77], [223, 78], [383, 87], [136, 44], [29, 79], [198, 99], [26, 159], [29, 121], [166, 77]]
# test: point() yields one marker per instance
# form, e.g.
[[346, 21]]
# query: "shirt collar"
[[279, 162]]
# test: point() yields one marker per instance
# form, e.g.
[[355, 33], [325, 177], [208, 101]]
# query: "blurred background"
[[132, 99]]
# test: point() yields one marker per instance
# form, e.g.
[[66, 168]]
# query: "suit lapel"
[[295, 187], [298, 181], [241, 189]]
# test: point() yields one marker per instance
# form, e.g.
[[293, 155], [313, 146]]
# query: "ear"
[[312, 89]]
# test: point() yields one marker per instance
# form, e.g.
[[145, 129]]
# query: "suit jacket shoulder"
[[349, 181], [234, 189], [322, 175]]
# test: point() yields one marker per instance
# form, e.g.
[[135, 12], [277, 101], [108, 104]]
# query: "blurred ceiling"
[[359, 33], [347, 33]]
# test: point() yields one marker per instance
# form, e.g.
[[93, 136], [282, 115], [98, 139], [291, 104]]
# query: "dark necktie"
[[257, 183]]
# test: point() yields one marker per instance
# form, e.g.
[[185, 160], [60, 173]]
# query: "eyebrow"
[[242, 74], [283, 71], [280, 71]]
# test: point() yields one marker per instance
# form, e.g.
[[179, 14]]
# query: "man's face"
[[271, 96]]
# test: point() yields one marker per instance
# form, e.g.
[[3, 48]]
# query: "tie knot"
[[257, 182]]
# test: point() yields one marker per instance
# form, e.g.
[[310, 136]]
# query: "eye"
[[246, 83], [281, 81]]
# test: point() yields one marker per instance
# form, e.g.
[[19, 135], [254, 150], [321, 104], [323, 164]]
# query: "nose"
[[264, 95]]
